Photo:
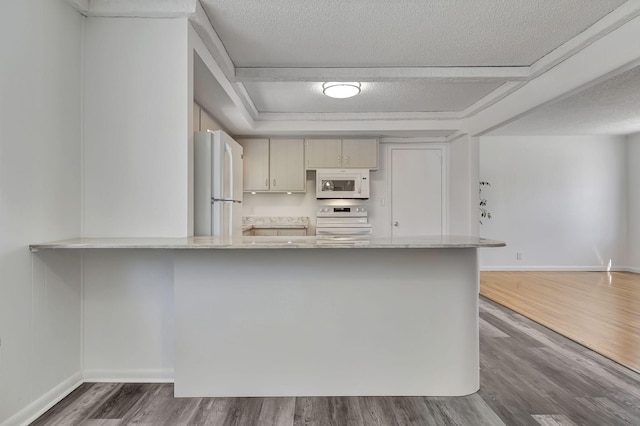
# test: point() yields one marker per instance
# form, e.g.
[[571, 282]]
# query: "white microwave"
[[342, 183]]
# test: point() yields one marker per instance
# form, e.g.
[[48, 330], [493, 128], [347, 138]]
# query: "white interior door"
[[417, 194]]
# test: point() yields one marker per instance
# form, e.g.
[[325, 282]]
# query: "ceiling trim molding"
[[611, 22], [601, 59], [242, 93], [455, 136], [136, 8], [491, 98], [202, 24], [81, 6], [354, 126], [203, 51], [375, 74], [361, 116], [605, 77]]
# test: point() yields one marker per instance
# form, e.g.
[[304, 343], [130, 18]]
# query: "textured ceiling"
[[426, 66], [418, 96], [429, 68], [611, 107], [361, 33]]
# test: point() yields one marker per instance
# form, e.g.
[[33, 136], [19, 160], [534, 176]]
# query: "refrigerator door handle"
[[227, 151]]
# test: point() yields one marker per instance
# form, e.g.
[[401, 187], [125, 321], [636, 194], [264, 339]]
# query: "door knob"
[[396, 224]]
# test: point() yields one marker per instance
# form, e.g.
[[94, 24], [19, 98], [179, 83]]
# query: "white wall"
[[463, 173], [40, 74], [136, 124], [633, 214], [128, 315], [559, 201]]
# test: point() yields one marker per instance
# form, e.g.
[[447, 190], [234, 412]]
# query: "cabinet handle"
[[274, 182], [266, 183], [339, 159], [346, 159]]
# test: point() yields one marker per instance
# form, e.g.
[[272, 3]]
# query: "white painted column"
[[136, 127]]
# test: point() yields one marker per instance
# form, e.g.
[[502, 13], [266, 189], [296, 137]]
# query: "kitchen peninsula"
[[276, 316]]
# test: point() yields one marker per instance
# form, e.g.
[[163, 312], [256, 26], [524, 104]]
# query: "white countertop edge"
[[199, 243]]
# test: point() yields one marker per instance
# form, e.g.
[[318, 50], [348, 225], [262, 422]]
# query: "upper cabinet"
[[323, 153], [273, 165], [255, 164], [360, 153], [341, 153], [286, 165]]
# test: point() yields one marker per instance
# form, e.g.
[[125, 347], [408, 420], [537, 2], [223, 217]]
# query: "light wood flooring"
[[599, 310], [529, 375]]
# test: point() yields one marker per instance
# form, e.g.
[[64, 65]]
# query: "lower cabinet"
[[274, 232]]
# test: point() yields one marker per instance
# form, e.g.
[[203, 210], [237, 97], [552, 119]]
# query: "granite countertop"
[[188, 243], [274, 222]]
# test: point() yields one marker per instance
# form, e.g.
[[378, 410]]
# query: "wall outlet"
[[518, 256]]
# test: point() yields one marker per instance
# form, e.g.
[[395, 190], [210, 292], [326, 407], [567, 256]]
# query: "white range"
[[342, 220]]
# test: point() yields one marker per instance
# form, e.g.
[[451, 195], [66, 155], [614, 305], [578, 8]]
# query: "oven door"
[[342, 231], [342, 227]]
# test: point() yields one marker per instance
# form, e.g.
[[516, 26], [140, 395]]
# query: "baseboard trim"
[[155, 375], [38, 407], [559, 268]]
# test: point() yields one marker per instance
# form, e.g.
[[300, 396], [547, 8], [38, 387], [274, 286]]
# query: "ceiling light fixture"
[[341, 90]]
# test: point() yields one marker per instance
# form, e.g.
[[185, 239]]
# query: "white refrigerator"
[[217, 185]]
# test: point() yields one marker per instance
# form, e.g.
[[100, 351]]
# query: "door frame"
[[443, 148]]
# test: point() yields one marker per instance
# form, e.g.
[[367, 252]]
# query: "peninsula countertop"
[[199, 243]]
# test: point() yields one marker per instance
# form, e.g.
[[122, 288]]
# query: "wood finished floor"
[[529, 375], [599, 310]]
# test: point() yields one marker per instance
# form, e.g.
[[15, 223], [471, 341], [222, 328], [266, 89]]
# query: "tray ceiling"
[[427, 67]]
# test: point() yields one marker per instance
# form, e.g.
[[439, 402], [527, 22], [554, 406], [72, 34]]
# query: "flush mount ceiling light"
[[341, 90]]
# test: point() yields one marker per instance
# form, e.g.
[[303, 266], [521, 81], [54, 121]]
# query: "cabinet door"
[[322, 153], [360, 153], [286, 165], [255, 165]]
